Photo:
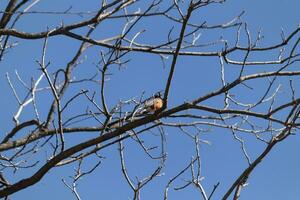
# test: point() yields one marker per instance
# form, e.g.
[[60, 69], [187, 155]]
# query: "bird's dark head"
[[157, 94]]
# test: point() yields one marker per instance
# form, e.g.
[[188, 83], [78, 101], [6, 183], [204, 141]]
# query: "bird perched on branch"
[[153, 104], [148, 106]]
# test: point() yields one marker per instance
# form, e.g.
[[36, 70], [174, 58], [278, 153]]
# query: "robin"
[[153, 104]]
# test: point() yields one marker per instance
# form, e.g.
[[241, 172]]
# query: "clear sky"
[[278, 176]]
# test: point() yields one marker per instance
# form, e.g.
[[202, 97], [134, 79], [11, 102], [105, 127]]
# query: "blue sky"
[[276, 178]]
